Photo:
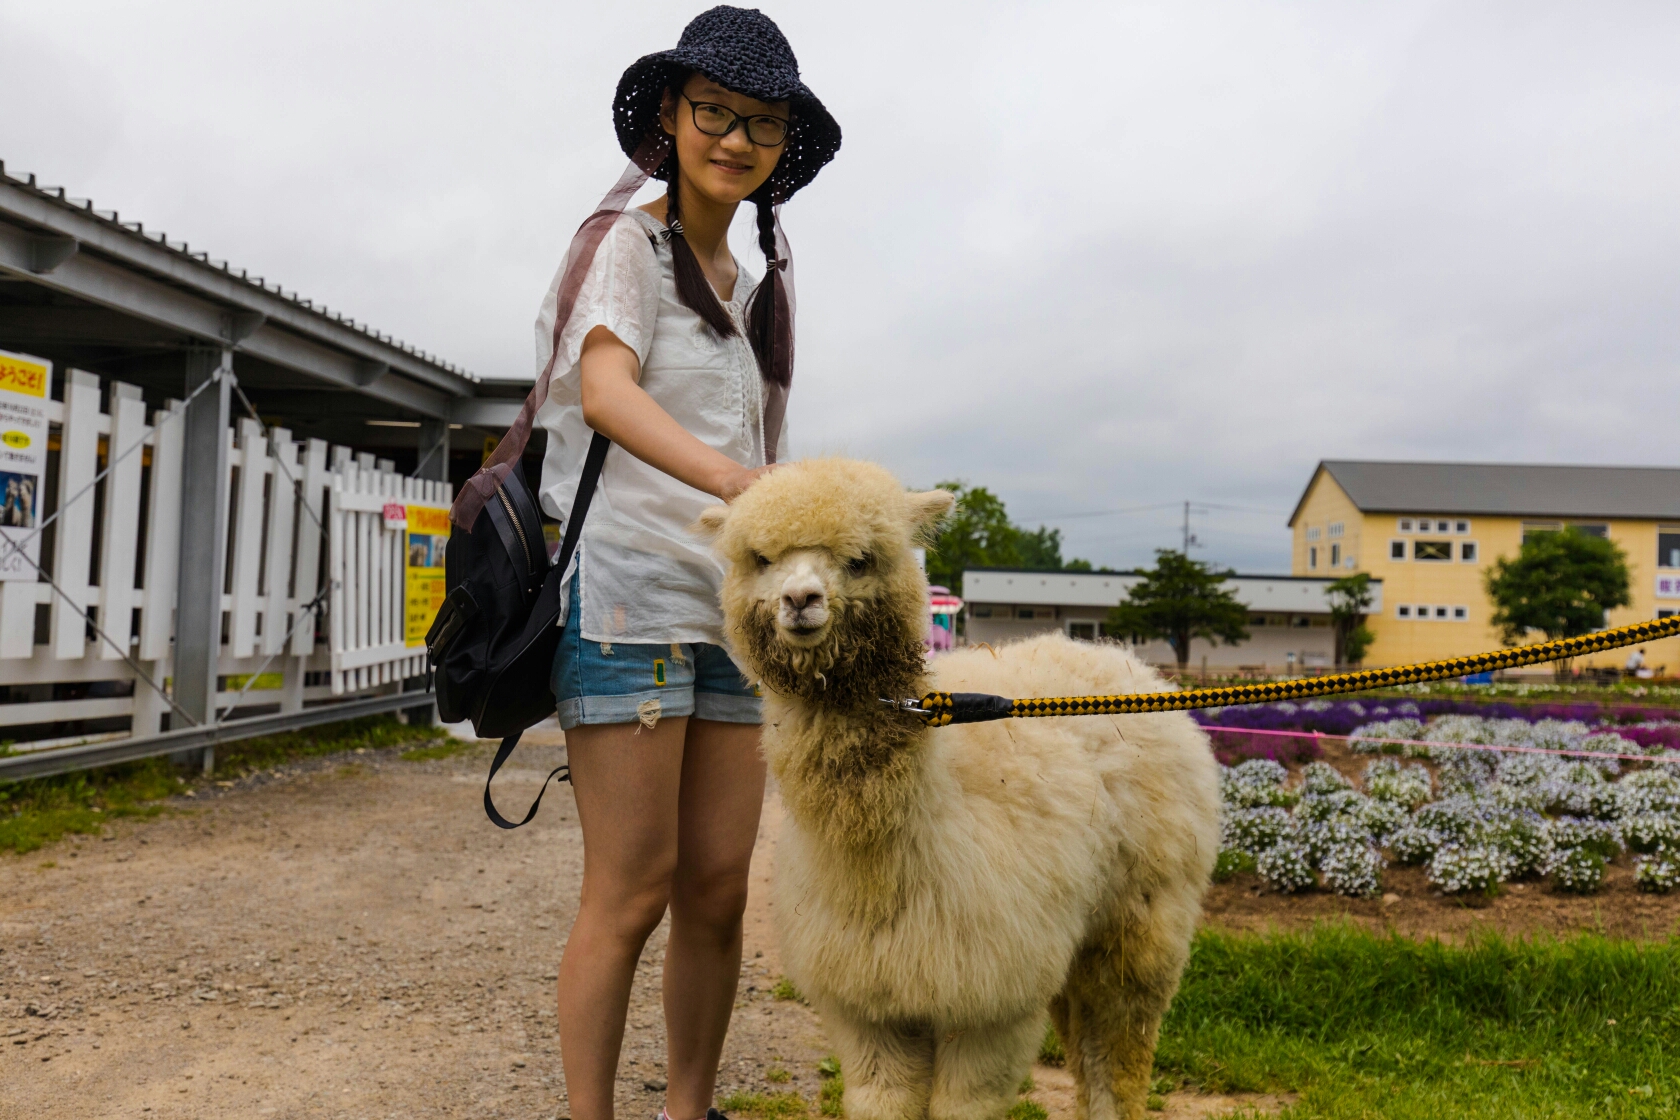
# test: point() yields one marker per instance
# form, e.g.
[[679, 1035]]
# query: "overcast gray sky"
[[1095, 256]]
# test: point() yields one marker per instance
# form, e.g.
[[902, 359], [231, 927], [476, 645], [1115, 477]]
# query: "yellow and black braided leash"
[[942, 708]]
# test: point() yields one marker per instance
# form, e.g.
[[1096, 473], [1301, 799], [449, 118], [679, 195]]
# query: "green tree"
[[1350, 599], [1180, 599], [1560, 583], [979, 534]]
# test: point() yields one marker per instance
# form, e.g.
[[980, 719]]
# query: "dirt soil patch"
[[349, 937]]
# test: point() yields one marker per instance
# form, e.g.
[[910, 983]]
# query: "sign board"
[[25, 387], [1668, 587], [396, 515], [423, 586]]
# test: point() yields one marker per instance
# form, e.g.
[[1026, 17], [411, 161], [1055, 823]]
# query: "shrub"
[[1319, 837], [1322, 778], [1381, 819], [1578, 870], [1353, 869], [1286, 866], [1254, 830], [1658, 874], [1384, 735], [1386, 779], [1469, 868], [1412, 845], [1324, 807], [1524, 837], [1648, 832], [1255, 783], [1458, 817], [1231, 862], [1601, 838]]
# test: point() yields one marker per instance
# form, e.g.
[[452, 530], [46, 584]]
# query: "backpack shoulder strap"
[[568, 545]]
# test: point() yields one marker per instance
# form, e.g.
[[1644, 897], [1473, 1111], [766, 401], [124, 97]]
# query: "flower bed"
[[1475, 819]]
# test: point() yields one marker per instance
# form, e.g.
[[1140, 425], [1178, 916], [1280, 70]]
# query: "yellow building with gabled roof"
[[1430, 531]]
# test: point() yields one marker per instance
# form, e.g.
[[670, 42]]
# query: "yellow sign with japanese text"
[[423, 584], [21, 373]]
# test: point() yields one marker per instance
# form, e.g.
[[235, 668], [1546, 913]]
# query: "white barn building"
[[1288, 624]]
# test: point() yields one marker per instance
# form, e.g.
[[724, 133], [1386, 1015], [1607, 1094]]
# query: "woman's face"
[[723, 169]]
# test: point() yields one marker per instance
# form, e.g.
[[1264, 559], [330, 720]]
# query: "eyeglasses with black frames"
[[720, 120]]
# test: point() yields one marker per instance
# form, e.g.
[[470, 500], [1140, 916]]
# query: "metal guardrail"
[[63, 760]]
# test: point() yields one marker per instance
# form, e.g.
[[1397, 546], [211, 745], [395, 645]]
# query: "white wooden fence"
[[124, 567]]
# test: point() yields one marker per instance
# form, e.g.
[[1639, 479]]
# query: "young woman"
[[671, 351]]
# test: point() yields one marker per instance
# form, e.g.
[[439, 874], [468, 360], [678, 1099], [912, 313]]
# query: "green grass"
[[768, 1106], [784, 990], [40, 811], [1367, 1026], [448, 748]]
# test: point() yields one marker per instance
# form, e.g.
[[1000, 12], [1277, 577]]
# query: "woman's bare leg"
[[625, 778], [722, 794]]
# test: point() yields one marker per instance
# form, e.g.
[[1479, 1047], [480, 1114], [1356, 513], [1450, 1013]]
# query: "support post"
[[433, 449], [433, 467], [203, 555]]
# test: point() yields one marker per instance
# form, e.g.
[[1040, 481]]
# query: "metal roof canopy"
[[1504, 489], [85, 289]]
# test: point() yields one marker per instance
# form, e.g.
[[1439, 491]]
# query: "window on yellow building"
[[1532, 527], [1336, 528], [1335, 555], [1403, 611], [1668, 546], [1461, 526], [1467, 551], [1396, 550], [1592, 529], [1431, 550], [1405, 524], [1461, 614], [1312, 557]]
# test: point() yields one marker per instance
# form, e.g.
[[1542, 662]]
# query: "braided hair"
[[769, 317], [693, 288]]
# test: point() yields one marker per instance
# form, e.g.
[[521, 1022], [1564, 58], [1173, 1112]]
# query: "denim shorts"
[[602, 682]]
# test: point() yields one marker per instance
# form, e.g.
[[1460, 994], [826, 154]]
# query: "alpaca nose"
[[799, 599]]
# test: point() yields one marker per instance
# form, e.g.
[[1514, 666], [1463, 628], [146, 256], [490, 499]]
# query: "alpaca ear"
[[710, 522], [928, 509]]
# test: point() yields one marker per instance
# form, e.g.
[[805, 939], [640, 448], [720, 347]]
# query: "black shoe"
[[714, 1114]]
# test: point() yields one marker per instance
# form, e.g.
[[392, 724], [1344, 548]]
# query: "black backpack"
[[492, 644]]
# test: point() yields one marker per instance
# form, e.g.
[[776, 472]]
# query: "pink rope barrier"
[[1317, 735]]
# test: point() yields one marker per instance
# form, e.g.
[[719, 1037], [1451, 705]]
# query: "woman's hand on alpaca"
[[615, 405], [737, 482]]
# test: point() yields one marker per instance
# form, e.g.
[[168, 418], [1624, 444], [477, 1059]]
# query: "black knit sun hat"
[[742, 50]]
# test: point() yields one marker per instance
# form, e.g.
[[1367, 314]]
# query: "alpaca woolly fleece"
[[937, 890]]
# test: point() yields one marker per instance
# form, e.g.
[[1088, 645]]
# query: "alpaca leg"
[[1117, 994], [888, 1070], [1068, 1015], [976, 1071]]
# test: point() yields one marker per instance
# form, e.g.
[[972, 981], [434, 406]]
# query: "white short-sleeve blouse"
[[643, 576]]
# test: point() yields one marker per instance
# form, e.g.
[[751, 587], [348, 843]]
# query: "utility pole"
[[1189, 537]]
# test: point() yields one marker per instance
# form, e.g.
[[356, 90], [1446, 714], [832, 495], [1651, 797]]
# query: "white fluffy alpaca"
[[937, 889]]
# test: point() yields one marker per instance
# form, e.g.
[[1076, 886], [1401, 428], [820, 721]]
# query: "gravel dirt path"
[[349, 937]]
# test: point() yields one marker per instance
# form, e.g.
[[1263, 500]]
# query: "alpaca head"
[[823, 597]]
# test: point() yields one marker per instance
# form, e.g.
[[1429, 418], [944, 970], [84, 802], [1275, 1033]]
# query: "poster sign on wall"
[[428, 534], [1668, 587], [25, 387]]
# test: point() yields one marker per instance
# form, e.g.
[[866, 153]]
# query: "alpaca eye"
[[761, 560], [860, 564]]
